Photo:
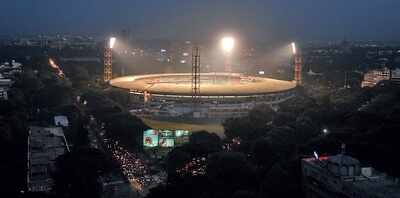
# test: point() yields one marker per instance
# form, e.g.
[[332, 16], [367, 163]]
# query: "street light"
[[325, 131]]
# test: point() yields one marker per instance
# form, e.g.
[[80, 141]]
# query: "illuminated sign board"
[[164, 138], [167, 142], [179, 133], [150, 138], [167, 138]]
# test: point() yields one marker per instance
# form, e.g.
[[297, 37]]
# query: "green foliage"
[[203, 143], [263, 153], [229, 171], [78, 172], [126, 129]]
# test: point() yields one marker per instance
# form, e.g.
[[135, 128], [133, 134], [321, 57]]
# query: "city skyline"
[[254, 20]]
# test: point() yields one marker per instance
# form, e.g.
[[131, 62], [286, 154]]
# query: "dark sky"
[[251, 19]]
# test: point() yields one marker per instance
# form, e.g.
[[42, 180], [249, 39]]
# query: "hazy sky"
[[199, 19]]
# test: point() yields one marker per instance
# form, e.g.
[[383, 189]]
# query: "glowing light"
[[112, 42], [325, 131], [52, 64], [261, 72], [294, 49], [60, 73], [316, 155], [227, 44]]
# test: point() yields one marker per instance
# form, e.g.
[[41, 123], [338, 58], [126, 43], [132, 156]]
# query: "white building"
[[373, 77], [5, 85], [61, 121], [8, 69], [3, 93], [44, 146], [341, 176]]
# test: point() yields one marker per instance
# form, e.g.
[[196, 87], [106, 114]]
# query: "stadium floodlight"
[[227, 44], [294, 49], [112, 42]]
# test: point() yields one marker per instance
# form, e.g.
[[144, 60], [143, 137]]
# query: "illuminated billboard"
[[167, 142], [181, 137], [180, 133], [164, 138], [150, 138], [167, 138], [166, 133]]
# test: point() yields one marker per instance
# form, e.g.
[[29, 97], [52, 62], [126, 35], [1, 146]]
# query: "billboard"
[[150, 138], [181, 136], [180, 133], [164, 138], [167, 142], [167, 138]]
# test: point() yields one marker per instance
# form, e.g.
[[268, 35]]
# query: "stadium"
[[220, 96]]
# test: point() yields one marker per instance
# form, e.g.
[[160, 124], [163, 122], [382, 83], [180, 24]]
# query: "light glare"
[[227, 44], [294, 50], [112, 42]]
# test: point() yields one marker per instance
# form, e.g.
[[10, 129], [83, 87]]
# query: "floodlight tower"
[[227, 44], [298, 62], [195, 73], [108, 59]]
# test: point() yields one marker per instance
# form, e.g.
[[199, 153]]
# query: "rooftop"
[[44, 146], [365, 179]]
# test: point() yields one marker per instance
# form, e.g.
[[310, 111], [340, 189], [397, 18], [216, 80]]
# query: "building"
[[3, 93], [61, 121], [5, 85], [44, 146], [10, 69], [373, 77], [395, 76], [341, 176]]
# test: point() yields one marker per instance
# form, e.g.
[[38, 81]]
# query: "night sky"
[[198, 19]]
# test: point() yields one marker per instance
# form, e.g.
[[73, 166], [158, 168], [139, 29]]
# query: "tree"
[[280, 182], [126, 129], [263, 154], [177, 158], [244, 194], [80, 73], [251, 127], [229, 171], [77, 173], [203, 143]]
